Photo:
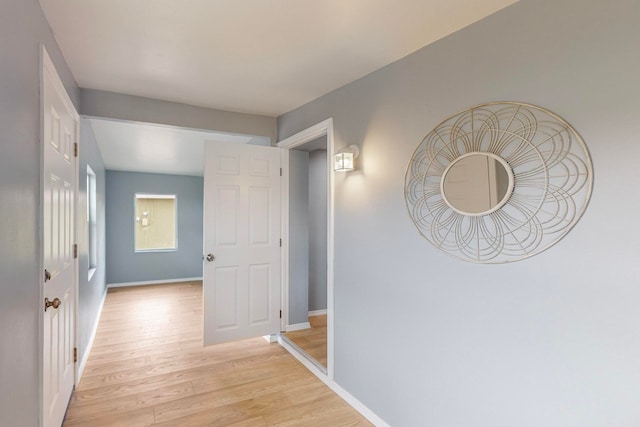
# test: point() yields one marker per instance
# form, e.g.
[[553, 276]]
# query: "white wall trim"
[[308, 134], [357, 405], [284, 232], [87, 350], [323, 128], [345, 395], [317, 312], [153, 282], [298, 326], [270, 338]]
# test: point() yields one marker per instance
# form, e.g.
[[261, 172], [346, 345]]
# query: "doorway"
[[199, 141], [308, 246]]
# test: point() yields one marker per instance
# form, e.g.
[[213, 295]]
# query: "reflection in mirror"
[[307, 300], [477, 184], [155, 222]]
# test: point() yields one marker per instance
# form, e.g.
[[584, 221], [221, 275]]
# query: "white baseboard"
[[270, 338], [357, 405], [87, 351], [297, 327], [153, 282], [317, 312], [345, 395]]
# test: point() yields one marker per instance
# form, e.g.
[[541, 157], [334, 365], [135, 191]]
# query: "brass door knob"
[[210, 257], [55, 303]]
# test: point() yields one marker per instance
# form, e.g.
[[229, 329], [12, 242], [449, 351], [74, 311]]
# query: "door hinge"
[[75, 250], [280, 242], [281, 314], [75, 354], [75, 149], [280, 171]]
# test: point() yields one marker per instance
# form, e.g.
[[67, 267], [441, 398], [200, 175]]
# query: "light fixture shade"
[[343, 162]]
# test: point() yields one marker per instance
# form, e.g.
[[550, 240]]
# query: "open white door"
[[241, 242], [60, 125]]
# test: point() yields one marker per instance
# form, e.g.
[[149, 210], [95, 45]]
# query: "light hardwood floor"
[[148, 367], [314, 340]]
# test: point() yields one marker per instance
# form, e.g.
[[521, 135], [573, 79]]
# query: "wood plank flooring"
[[314, 340], [148, 367]]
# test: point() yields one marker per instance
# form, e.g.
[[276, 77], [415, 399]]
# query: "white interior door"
[[60, 122], [241, 242]]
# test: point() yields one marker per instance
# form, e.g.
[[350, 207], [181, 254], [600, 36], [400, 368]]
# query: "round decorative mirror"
[[477, 184], [498, 183]]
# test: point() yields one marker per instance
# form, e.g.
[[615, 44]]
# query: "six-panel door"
[[242, 233]]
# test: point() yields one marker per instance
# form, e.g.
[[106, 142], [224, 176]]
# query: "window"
[[155, 222], [92, 223]]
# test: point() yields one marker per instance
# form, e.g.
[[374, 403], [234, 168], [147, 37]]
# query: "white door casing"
[[60, 133], [242, 231], [324, 128]]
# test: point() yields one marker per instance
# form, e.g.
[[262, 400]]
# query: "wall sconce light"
[[345, 160], [144, 220]]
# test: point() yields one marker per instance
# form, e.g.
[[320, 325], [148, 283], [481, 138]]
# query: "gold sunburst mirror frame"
[[539, 180]]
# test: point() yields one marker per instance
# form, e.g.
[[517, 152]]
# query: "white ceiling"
[[143, 147], [255, 56]]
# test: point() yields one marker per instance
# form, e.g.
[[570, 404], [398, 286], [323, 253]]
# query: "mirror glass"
[[477, 183], [306, 328]]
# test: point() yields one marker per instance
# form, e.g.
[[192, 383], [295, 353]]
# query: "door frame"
[[47, 64], [324, 128]]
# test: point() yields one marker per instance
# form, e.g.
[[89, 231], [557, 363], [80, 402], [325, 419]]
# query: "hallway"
[[148, 367]]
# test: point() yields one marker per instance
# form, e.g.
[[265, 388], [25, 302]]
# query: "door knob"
[[210, 257], [47, 276], [55, 303]]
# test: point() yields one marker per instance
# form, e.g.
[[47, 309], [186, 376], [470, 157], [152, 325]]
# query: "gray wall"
[[22, 29], [318, 230], [298, 236], [123, 264], [91, 292], [548, 341], [128, 107], [307, 233]]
